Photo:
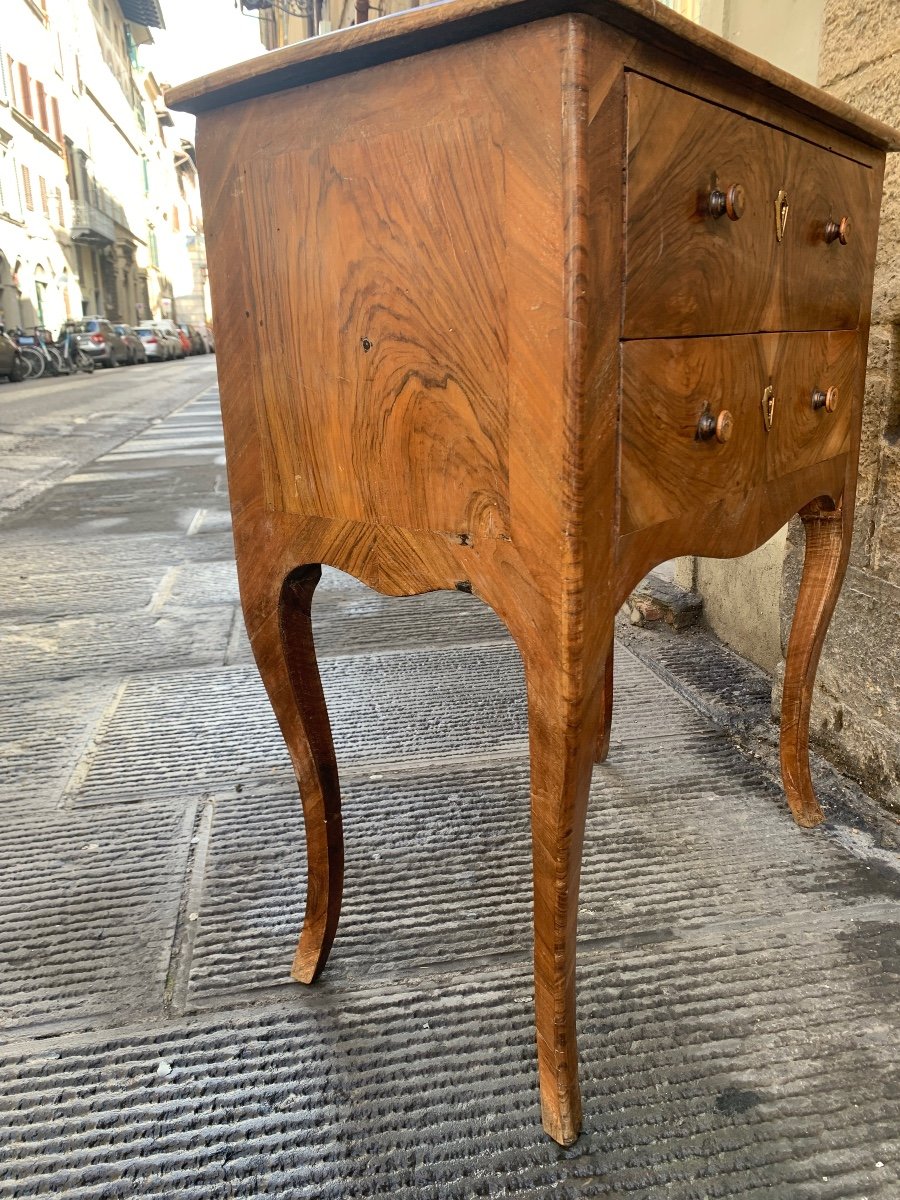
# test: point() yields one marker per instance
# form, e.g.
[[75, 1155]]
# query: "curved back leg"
[[605, 724], [827, 550], [286, 657]]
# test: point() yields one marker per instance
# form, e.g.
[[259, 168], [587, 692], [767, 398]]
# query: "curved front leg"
[[286, 657], [827, 550], [564, 710]]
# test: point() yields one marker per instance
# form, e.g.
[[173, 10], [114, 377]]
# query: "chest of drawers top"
[[437, 25]]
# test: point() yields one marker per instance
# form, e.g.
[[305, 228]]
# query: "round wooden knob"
[[730, 203], [827, 400], [720, 427], [838, 231]]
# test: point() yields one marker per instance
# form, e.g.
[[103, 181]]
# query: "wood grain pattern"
[[689, 272], [380, 348], [601, 753], [668, 384], [417, 272], [530, 575]]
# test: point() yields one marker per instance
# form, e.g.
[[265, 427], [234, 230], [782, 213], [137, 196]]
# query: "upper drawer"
[[691, 272]]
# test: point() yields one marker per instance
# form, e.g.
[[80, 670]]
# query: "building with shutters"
[[284, 21], [91, 208], [38, 275]]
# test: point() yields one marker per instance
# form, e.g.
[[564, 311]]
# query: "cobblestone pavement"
[[738, 978]]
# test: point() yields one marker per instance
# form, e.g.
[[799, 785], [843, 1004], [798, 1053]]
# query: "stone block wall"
[[856, 713]]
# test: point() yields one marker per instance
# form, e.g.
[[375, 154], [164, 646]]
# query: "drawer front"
[[668, 469], [691, 272]]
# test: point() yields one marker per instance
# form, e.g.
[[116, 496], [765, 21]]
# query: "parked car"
[[97, 337], [11, 364], [173, 336], [174, 342], [198, 346], [207, 334], [157, 347], [136, 351]]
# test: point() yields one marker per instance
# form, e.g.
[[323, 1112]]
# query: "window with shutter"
[[60, 212], [45, 198], [26, 188], [25, 91], [11, 83], [43, 118], [10, 194], [57, 124]]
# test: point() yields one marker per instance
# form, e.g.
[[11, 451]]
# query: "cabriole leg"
[[606, 711], [286, 657], [827, 550], [563, 718]]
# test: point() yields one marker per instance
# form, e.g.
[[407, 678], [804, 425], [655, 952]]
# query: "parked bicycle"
[[73, 356], [39, 355]]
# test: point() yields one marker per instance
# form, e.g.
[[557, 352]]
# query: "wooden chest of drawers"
[[522, 297]]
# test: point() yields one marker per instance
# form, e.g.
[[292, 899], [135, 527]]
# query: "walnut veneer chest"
[[522, 297]]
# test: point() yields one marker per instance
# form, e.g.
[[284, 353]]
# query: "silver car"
[[97, 337], [156, 344]]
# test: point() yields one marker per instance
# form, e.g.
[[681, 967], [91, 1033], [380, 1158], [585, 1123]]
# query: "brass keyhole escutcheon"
[[781, 214], [768, 407]]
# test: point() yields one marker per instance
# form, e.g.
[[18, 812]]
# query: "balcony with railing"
[[91, 224]]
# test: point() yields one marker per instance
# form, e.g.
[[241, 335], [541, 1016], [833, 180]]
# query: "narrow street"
[[738, 977], [51, 426]]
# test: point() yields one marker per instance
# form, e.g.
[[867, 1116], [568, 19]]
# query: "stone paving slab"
[[711, 1069], [34, 596], [366, 623], [193, 731], [88, 910], [438, 867], [44, 730], [23, 551], [114, 643], [51, 428]]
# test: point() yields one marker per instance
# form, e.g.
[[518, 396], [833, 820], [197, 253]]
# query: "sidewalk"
[[738, 978]]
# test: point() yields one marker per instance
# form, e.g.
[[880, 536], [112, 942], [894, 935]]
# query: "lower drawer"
[[788, 405]]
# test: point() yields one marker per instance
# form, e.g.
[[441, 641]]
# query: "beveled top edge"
[[401, 35]]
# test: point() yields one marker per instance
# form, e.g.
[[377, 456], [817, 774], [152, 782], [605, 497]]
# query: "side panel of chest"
[[399, 224]]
